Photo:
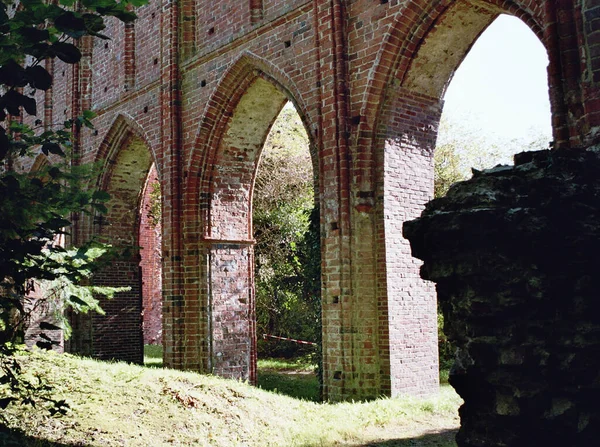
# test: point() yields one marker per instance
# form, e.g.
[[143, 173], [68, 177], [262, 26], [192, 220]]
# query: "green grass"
[[118, 404], [153, 356], [296, 378]]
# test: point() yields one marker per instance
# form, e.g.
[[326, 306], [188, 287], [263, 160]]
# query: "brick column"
[[407, 304], [230, 312]]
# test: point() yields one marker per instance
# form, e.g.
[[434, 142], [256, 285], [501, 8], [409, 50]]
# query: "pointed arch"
[[407, 35], [126, 159], [249, 74], [425, 45], [218, 212], [123, 130]]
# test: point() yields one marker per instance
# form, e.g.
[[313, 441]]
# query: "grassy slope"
[[117, 404]]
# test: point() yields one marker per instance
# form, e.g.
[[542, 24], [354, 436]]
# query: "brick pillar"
[[231, 313], [407, 303]]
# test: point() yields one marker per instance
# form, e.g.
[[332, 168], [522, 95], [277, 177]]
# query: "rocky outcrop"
[[515, 255]]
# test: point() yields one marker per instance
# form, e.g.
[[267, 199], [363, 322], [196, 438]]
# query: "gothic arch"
[[250, 76], [399, 135], [406, 38], [218, 212], [126, 159], [123, 129]]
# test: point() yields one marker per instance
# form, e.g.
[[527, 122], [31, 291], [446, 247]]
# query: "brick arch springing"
[[218, 200], [126, 161]]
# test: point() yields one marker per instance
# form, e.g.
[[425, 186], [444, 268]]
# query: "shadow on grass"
[[298, 385], [153, 357], [16, 438], [445, 438]]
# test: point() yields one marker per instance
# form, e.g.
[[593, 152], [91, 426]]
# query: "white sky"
[[500, 91]]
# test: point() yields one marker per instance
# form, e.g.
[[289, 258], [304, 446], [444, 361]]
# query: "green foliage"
[[459, 150], [286, 228], [155, 208], [36, 207]]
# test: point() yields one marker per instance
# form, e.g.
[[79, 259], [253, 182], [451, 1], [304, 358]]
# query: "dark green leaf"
[[40, 50], [93, 23], [70, 24], [54, 172], [67, 52], [100, 208], [44, 326], [34, 35], [138, 3], [52, 148], [57, 223], [39, 77], [29, 105], [101, 196], [12, 74]]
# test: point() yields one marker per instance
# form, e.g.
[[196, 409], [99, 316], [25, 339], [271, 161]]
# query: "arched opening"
[[287, 261], [227, 248], [496, 105], [150, 243], [118, 334], [412, 111]]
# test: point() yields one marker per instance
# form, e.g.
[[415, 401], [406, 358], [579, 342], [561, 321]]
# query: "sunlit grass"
[[118, 404], [292, 377]]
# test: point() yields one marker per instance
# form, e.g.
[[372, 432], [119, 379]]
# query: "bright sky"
[[501, 88]]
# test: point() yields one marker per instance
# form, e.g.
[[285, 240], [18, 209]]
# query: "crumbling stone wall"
[[513, 253]]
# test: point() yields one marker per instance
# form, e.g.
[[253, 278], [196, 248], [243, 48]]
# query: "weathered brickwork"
[[194, 87]]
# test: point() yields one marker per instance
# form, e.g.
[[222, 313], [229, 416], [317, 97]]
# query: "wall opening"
[[495, 106], [228, 244], [287, 260], [118, 334], [150, 242]]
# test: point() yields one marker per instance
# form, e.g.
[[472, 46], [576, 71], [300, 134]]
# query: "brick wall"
[[201, 100]]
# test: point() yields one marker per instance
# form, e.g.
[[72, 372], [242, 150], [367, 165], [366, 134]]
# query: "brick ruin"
[[192, 87]]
